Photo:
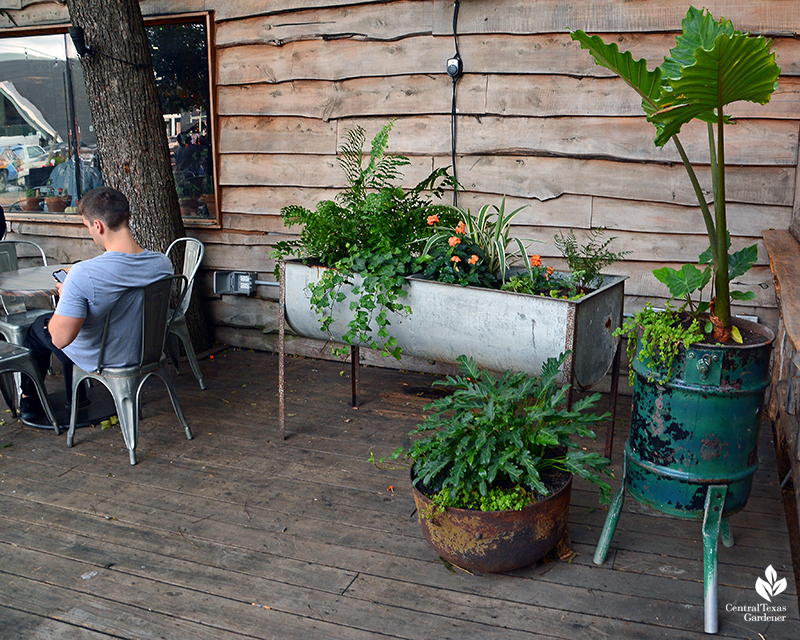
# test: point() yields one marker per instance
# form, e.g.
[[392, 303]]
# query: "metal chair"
[[125, 383], [17, 359], [192, 256], [18, 318]]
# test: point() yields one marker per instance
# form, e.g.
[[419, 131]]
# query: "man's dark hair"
[[107, 205]]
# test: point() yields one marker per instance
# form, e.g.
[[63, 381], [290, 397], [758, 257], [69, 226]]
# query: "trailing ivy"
[[660, 334]]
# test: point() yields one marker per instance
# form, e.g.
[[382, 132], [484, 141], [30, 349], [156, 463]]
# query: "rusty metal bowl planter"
[[496, 541]]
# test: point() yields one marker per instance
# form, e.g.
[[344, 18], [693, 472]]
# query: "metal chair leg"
[[180, 332], [173, 396], [712, 523], [8, 388]]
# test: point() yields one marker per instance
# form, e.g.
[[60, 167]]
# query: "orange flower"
[[550, 271], [433, 219], [473, 259], [455, 259], [536, 261], [461, 227], [454, 240]]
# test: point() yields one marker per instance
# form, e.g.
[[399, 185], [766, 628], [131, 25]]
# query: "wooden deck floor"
[[238, 535]]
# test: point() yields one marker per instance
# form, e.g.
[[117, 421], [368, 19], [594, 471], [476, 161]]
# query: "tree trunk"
[[131, 138]]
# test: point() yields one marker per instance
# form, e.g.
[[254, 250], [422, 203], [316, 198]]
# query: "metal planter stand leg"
[[614, 509], [715, 526], [282, 352], [712, 523]]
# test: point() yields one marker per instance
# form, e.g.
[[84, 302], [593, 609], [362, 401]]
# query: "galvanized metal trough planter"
[[499, 329]]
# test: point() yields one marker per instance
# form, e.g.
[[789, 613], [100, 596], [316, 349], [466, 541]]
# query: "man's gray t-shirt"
[[94, 288]]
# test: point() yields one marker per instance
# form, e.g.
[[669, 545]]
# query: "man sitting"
[[94, 288]]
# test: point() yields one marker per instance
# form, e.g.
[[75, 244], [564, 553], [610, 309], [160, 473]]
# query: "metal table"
[[31, 281]]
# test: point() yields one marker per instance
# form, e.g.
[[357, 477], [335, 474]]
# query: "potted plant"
[[58, 200], [188, 193], [210, 197], [492, 469], [369, 229], [699, 375], [32, 200], [377, 252]]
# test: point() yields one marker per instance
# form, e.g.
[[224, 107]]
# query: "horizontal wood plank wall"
[[537, 122]]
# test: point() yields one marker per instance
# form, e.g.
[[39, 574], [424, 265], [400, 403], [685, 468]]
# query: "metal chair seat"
[[17, 359], [125, 383], [14, 326]]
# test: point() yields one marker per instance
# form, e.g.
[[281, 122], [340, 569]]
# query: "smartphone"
[[60, 275]]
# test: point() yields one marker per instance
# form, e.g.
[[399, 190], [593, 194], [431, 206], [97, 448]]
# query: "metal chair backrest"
[[8, 254], [192, 257], [156, 320], [10, 262]]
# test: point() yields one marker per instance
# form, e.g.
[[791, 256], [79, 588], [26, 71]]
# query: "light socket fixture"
[[79, 42]]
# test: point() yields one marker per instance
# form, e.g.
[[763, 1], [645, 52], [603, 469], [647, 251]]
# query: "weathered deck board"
[[185, 543]]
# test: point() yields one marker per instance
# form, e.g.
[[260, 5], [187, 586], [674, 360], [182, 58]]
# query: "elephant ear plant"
[[711, 66]]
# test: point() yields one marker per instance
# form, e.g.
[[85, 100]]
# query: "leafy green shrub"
[[506, 433], [373, 228], [663, 333]]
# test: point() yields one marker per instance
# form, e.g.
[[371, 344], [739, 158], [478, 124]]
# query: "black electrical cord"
[[454, 70], [135, 65]]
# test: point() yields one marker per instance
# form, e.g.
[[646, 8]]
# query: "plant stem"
[[701, 199], [722, 305]]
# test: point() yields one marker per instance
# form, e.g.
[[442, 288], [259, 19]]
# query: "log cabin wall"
[[537, 121]]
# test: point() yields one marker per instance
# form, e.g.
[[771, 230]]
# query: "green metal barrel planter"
[[698, 428], [692, 450]]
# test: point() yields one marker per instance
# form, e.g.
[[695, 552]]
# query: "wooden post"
[[282, 352], [355, 365]]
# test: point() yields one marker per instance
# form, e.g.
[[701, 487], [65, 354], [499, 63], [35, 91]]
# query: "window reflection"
[[180, 61], [44, 124], [47, 142]]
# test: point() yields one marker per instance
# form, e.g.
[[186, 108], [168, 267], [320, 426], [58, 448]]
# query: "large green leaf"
[[700, 31], [737, 67], [739, 262], [634, 72], [684, 282]]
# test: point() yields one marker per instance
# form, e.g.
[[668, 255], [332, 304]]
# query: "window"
[[47, 141]]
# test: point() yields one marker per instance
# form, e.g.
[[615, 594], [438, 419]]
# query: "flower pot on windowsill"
[[57, 204], [210, 201], [33, 203], [188, 206]]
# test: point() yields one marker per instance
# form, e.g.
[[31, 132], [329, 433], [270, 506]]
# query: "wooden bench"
[[784, 401]]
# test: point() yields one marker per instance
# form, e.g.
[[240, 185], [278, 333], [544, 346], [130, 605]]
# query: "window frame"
[[213, 116]]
